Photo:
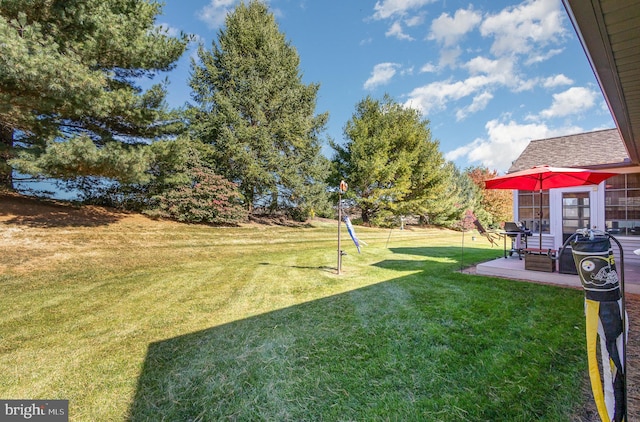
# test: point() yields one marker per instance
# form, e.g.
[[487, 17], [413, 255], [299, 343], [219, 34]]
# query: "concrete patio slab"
[[513, 268]]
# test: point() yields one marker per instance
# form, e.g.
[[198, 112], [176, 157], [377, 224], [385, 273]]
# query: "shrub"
[[299, 214], [210, 198]]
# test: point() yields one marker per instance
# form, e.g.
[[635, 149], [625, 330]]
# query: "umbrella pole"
[[540, 227]]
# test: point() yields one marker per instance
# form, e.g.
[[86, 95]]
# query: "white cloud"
[[449, 57], [399, 10], [168, 29], [428, 68], [556, 80], [408, 71], [216, 12], [193, 44], [505, 142], [381, 74], [479, 103], [395, 30], [366, 41], [548, 82], [525, 29], [527, 84], [604, 107], [541, 56], [486, 75], [436, 95], [500, 71], [385, 9], [520, 29], [414, 20], [575, 100], [449, 30]]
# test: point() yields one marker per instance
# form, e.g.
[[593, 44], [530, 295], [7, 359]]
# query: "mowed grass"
[[145, 320]]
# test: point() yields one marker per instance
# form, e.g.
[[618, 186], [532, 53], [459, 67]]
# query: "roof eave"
[[595, 42]]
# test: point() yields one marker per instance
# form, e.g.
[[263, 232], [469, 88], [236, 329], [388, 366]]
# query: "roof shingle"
[[602, 149]]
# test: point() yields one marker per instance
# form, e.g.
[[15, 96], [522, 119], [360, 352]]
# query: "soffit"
[[608, 31]]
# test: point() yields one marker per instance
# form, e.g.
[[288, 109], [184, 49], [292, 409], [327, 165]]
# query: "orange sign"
[[343, 186]]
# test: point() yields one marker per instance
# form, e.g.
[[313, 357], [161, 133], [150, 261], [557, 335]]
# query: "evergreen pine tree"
[[70, 102], [392, 165], [257, 115]]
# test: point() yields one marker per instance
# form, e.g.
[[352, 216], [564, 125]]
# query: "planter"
[[537, 260]]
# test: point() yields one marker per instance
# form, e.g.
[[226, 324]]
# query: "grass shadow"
[[34, 212], [452, 252], [449, 258], [324, 268], [404, 349]]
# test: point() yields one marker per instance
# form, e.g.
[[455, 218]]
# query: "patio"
[[513, 268]]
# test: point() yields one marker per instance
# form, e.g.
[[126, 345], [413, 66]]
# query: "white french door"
[[576, 212]]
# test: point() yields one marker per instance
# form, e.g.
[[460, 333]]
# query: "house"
[[607, 30], [612, 206]]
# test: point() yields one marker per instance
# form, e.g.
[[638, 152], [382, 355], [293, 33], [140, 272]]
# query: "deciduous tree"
[[496, 205]]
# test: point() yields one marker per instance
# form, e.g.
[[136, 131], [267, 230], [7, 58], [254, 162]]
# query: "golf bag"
[[605, 318]]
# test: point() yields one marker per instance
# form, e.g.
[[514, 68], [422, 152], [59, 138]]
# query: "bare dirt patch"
[[20, 210], [36, 234]]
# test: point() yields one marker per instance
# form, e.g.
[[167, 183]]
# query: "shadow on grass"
[[453, 252], [431, 346], [34, 212], [450, 257], [302, 267]]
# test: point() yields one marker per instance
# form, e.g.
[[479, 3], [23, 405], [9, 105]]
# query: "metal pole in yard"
[[342, 189], [339, 220]]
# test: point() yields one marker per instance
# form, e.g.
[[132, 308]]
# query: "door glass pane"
[[575, 212]]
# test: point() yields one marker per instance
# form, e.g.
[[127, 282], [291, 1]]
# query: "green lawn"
[[146, 320]]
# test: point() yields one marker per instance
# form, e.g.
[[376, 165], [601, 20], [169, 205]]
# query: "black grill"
[[518, 233]]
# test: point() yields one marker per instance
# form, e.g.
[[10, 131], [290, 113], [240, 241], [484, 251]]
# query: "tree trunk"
[[6, 151], [365, 216], [248, 197], [273, 207]]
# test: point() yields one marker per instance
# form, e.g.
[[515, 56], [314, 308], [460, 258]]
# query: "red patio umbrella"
[[546, 177]]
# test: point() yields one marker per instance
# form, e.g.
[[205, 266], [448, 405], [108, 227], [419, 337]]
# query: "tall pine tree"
[[392, 165], [70, 101], [257, 115]]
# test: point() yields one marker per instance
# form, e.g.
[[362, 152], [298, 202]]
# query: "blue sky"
[[489, 75]]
